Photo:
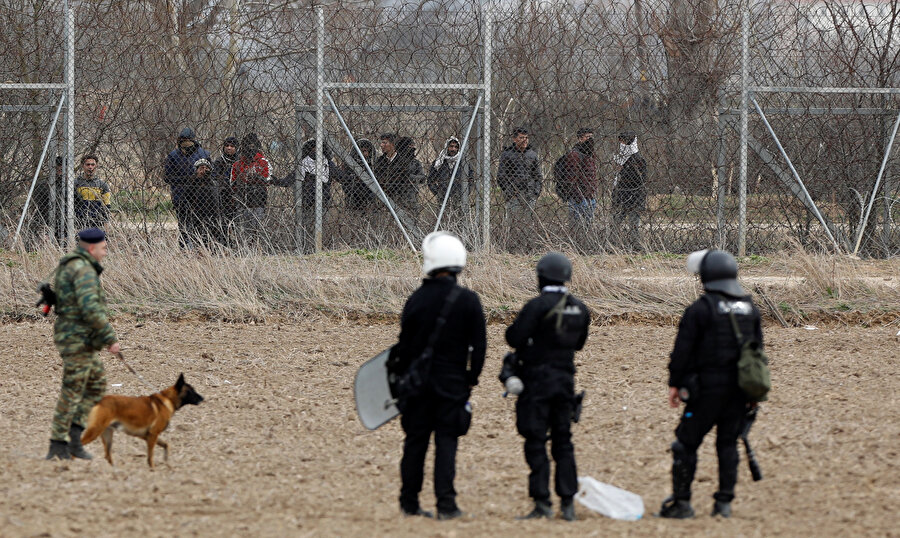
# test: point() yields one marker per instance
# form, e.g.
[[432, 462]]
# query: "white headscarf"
[[308, 166], [443, 157], [625, 152]]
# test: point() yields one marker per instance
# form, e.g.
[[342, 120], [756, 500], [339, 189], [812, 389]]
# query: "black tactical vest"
[[718, 365]]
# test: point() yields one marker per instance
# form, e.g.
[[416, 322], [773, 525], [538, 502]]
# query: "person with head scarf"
[[442, 169], [629, 194]]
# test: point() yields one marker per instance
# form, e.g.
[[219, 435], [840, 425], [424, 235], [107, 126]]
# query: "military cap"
[[92, 235]]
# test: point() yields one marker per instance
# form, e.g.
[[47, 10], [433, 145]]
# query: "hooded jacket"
[[221, 176], [442, 169], [519, 172], [179, 167]]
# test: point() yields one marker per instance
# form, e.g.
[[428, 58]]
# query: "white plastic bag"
[[609, 500]]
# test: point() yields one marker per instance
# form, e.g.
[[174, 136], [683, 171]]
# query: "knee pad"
[[681, 453]]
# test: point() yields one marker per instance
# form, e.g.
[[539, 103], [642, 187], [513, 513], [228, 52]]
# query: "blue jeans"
[[581, 211]]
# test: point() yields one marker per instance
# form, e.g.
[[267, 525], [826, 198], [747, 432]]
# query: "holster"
[[576, 408], [511, 364]]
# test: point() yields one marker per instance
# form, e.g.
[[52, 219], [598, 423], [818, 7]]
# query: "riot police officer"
[[457, 357], [703, 372], [546, 334]]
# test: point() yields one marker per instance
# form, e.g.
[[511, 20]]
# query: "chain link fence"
[[404, 85]]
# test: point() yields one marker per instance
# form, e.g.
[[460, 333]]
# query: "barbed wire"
[[666, 72]]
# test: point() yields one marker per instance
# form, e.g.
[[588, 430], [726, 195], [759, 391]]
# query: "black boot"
[[416, 512], [541, 509], [676, 509], [58, 450], [567, 509], [452, 514], [721, 508], [76, 449]]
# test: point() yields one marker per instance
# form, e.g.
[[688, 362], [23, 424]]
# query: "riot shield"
[[374, 403]]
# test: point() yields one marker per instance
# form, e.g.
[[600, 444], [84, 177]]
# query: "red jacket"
[[249, 180]]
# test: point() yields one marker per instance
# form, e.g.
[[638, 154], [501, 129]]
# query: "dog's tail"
[[98, 420]]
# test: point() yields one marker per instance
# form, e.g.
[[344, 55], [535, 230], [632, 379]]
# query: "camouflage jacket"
[[82, 323]]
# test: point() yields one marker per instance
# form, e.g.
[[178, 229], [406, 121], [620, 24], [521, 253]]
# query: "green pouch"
[[753, 367]]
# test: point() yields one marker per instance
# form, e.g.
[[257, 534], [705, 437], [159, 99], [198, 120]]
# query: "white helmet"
[[443, 250]]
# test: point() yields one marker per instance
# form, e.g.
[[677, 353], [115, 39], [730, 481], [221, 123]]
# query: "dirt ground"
[[276, 448]]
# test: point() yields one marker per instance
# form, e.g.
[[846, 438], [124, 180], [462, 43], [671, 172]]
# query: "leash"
[[133, 371]]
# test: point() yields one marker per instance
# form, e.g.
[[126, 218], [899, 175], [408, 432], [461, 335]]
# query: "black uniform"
[[546, 347], [457, 362], [705, 356]]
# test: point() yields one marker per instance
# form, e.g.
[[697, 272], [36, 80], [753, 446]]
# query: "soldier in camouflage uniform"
[[81, 329]]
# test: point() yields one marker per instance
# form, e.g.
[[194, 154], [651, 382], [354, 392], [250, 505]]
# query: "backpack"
[[564, 187], [753, 366]]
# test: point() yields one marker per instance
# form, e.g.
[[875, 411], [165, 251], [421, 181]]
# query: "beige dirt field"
[[276, 448]]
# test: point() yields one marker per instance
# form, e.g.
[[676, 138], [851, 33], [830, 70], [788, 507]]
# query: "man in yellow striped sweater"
[[92, 196]]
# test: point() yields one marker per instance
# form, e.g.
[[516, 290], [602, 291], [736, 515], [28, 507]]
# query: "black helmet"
[[554, 267], [718, 272]]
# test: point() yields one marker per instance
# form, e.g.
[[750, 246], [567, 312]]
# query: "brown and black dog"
[[141, 416]]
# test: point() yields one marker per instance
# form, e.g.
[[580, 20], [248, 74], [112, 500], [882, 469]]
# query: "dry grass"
[[153, 280]]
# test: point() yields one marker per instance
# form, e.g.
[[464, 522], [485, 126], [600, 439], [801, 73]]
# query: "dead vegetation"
[[153, 280]]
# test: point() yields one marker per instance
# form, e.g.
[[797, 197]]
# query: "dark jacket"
[[580, 174], [537, 340], [706, 344], [356, 194], [455, 367], [439, 178], [519, 172], [179, 167], [202, 195], [630, 191], [400, 176], [92, 200]]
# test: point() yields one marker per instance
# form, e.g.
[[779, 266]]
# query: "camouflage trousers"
[[83, 384]]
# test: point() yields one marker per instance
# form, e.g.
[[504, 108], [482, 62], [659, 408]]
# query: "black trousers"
[[725, 411], [544, 411], [426, 415]]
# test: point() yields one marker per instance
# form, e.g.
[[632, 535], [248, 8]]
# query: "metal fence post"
[[298, 179], [745, 106], [320, 121], [70, 126], [486, 141]]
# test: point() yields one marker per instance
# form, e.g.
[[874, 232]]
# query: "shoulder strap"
[[734, 326], [557, 310], [736, 329], [442, 318]]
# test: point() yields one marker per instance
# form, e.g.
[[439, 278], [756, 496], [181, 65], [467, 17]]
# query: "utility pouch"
[[464, 419], [753, 367]]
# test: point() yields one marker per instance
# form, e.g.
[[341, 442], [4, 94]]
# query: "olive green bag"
[[753, 366]]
